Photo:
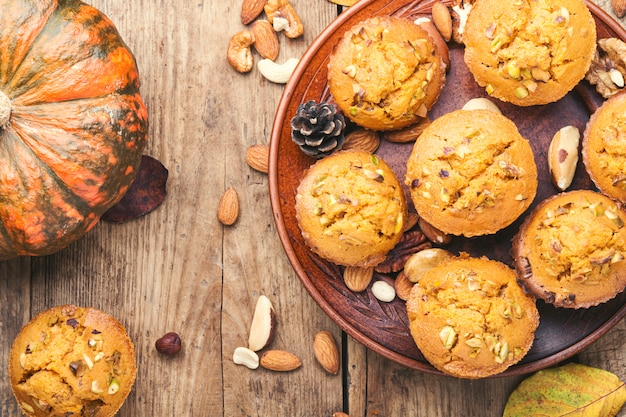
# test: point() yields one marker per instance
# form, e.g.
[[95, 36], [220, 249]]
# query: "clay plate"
[[383, 327]]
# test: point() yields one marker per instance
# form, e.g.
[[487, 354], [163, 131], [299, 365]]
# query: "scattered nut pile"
[[262, 36], [262, 330]]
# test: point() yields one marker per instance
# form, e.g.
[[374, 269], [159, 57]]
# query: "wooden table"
[[178, 269]]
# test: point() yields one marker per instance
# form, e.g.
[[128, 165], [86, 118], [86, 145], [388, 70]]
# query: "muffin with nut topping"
[[529, 52], [604, 147], [471, 173], [72, 361], [570, 251], [470, 318], [351, 208], [385, 73]]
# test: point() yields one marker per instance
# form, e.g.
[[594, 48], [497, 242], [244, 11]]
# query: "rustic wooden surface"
[[178, 269]]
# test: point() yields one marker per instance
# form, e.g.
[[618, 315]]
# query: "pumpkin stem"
[[5, 110]]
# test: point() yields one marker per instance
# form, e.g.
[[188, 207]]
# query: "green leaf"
[[571, 390]]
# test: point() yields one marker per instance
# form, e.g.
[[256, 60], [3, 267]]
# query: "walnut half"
[[608, 67]]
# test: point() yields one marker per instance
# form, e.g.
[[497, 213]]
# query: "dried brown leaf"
[[145, 194]]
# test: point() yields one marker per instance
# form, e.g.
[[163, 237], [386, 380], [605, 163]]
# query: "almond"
[[280, 360], [340, 414], [356, 278], [362, 139], [619, 7], [433, 234], [411, 220], [408, 134], [251, 9], [403, 286], [265, 39], [257, 157], [442, 20], [228, 207], [326, 352]]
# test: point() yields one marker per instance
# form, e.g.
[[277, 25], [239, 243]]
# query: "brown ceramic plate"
[[383, 327]]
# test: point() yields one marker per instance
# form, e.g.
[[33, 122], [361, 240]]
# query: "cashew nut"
[[239, 54], [277, 73], [282, 15]]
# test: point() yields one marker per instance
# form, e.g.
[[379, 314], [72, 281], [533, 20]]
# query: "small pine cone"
[[317, 129]]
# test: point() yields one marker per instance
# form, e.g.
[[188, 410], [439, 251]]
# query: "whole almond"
[[619, 7], [362, 139], [265, 39], [442, 20], [280, 360], [408, 134], [356, 278], [411, 220], [403, 286], [433, 234], [340, 414], [326, 352], [257, 157], [228, 207], [251, 9]]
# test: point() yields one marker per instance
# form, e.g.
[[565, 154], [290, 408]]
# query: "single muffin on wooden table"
[[570, 250], [351, 208], [470, 318], [529, 52], [471, 173], [385, 73], [72, 361]]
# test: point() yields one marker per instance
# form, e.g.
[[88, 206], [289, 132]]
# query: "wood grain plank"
[[254, 261], [15, 311]]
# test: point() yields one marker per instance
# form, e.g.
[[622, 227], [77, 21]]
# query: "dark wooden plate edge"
[[275, 200]]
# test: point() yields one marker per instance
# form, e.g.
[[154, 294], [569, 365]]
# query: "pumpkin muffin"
[[470, 318], [385, 73], [570, 250], [351, 208], [72, 361], [604, 147], [471, 173], [529, 52]]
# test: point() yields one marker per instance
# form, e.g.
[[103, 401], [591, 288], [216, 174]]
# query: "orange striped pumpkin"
[[72, 123]]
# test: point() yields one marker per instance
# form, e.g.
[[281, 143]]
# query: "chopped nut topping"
[[448, 337]]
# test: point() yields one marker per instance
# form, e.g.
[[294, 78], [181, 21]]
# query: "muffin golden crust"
[[385, 73], [72, 361], [529, 52], [570, 250], [604, 147], [470, 318], [471, 173], [351, 208]]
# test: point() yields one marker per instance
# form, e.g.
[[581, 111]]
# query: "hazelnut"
[[169, 344]]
